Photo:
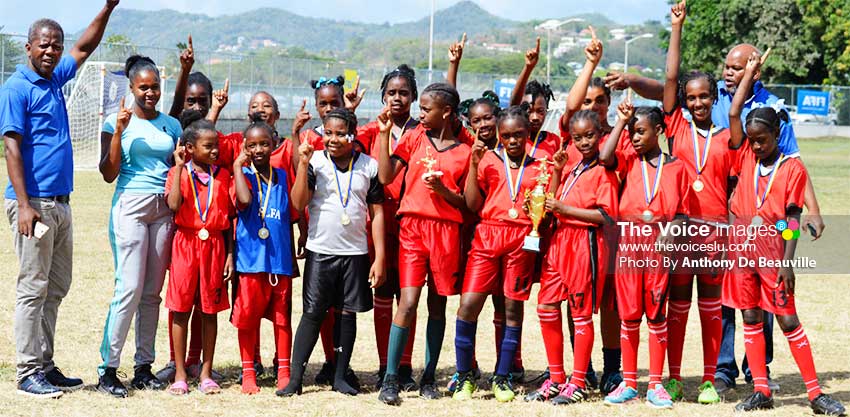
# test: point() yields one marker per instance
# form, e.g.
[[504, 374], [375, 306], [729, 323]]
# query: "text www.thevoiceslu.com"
[[686, 247]]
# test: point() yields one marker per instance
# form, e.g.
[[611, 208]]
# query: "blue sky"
[[75, 14]]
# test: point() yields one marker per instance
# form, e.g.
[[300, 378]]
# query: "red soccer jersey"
[[789, 187], [671, 198], [595, 188], [493, 183], [368, 136], [710, 202], [229, 148], [313, 138], [624, 146], [453, 161], [220, 212]]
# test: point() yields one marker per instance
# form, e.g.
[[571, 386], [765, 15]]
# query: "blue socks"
[[465, 344], [398, 339], [509, 346]]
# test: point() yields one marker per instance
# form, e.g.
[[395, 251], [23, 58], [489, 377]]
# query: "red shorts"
[[257, 298], [642, 280], [746, 287], [574, 269], [681, 277], [197, 273], [497, 253], [429, 248]]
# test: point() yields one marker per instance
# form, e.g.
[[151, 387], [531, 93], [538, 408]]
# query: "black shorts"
[[336, 281]]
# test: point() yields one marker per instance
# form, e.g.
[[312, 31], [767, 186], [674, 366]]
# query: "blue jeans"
[[727, 367]]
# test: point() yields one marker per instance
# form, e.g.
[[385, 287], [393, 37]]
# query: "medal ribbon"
[[700, 162], [264, 202], [513, 188], [649, 196], [760, 201], [575, 174], [344, 201], [210, 191], [391, 140]]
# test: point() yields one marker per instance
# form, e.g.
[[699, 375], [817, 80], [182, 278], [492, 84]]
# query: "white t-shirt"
[[327, 234]]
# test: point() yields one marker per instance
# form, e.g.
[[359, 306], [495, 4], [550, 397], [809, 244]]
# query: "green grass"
[[821, 302]]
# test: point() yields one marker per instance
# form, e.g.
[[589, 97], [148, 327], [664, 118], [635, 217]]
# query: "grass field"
[[821, 302]]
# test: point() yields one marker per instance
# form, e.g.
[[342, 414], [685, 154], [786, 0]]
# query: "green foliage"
[[828, 24], [13, 53]]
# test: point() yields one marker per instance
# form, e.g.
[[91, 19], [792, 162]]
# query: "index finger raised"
[[463, 39], [592, 33], [766, 54], [537, 48], [226, 85], [191, 48]]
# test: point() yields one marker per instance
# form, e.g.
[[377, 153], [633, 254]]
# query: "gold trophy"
[[429, 162], [535, 203]]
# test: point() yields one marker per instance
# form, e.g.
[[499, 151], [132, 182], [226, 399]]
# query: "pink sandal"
[[208, 387], [178, 388]]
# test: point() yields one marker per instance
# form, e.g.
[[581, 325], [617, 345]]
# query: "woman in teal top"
[[136, 147]]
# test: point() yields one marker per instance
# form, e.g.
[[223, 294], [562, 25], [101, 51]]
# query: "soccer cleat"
[[428, 390], [707, 394], [452, 385], [465, 387], [389, 391], [518, 374], [143, 378], [658, 397], [590, 380], [325, 375], [503, 390], [609, 382], [721, 386], [352, 379], [36, 385], [570, 394], [167, 373], [405, 379], [676, 390], [622, 395], [381, 372], [56, 378], [110, 384], [824, 404], [756, 401], [546, 391], [294, 388]]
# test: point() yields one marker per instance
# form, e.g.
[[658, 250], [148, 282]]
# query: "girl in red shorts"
[[768, 200], [201, 258]]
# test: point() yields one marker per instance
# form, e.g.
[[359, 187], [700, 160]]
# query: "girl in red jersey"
[[431, 215], [768, 199], [575, 264], [537, 95], [704, 150], [398, 92], [654, 193], [202, 257], [329, 95], [497, 263]]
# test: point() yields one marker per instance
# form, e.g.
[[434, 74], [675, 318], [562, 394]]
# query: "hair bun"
[[133, 60]]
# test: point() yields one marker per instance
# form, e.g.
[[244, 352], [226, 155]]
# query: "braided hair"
[[193, 124], [338, 83], [653, 114], [257, 122], [519, 112], [138, 63], [489, 98], [537, 89], [446, 93], [588, 115], [405, 72], [768, 117], [696, 75], [346, 116]]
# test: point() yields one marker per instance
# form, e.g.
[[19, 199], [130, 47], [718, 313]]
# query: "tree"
[[12, 54], [828, 23]]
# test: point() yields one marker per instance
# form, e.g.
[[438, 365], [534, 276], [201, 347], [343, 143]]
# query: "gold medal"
[[203, 234], [698, 185], [263, 233], [513, 213], [647, 216], [344, 219]]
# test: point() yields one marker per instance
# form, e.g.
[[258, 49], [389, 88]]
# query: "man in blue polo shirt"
[[40, 164]]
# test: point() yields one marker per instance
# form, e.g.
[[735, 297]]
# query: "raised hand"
[[385, 122], [187, 57], [180, 156], [301, 118], [305, 152], [593, 51], [221, 97], [242, 158], [456, 50], [678, 13], [355, 96], [559, 160], [478, 151], [626, 110], [112, 3], [532, 56], [123, 117], [616, 80]]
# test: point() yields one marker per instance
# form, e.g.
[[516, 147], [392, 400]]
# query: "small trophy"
[[535, 202], [429, 163]]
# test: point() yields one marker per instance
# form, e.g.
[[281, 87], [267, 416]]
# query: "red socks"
[[677, 320], [247, 345], [283, 345], [657, 351], [712, 331], [552, 327], [802, 352], [383, 316], [581, 350], [754, 345], [499, 326], [629, 341], [327, 332]]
